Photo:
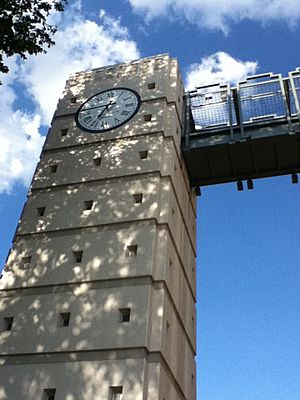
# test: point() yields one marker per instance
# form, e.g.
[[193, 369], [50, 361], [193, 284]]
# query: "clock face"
[[108, 110]]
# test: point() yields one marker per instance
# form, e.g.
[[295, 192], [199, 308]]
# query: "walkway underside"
[[214, 159], [248, 132]]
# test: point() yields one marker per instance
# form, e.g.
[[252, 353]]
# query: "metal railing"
[[259, 99]]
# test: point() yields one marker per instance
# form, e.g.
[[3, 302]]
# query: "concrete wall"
[[73, 380], [136, 252]]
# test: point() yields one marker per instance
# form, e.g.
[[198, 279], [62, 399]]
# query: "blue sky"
[[248, 242]]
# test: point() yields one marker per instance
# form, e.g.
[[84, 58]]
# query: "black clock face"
[[108, 110]]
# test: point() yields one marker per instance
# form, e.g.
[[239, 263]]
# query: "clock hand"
[[105, 109], [92, 108], [102, 112]]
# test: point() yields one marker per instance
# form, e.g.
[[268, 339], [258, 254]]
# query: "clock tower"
[[98, 292]]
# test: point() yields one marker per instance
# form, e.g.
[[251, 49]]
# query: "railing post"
[[187, 124], [238, 111], [230, 114], [288, 116]]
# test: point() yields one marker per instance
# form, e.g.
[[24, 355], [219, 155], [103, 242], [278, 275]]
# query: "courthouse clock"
[[108, 110]]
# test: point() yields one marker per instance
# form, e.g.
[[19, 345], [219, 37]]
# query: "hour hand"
[[105, 109], [102, 111]]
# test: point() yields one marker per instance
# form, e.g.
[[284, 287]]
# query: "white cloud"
[[80, 44], [20, 141], [216, 14], [218, 68]]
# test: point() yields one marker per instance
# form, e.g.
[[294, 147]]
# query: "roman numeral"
[[117, 121], [104, 124], [125, 113], [129, 105], [93, 124]]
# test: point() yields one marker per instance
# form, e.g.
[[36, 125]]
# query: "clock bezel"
[[139, 101]]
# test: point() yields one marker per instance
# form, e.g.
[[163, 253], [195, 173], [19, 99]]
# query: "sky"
[[248, 305]]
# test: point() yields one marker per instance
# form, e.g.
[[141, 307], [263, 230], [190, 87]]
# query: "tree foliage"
[[24, 28]]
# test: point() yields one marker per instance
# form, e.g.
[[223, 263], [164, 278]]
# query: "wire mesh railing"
[[257, 99], [211, 107], [261, 100]]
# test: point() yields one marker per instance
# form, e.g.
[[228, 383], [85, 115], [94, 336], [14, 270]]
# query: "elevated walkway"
[[245, 132]]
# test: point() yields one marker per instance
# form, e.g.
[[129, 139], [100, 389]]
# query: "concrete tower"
[[98, 292]]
